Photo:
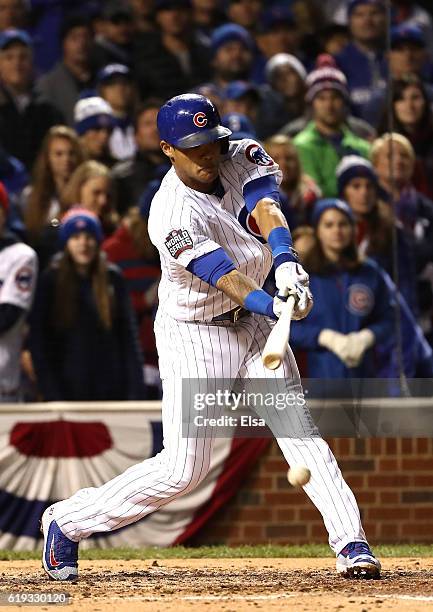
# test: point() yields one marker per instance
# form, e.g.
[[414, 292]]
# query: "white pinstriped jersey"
[[18, 271], [185, 224]]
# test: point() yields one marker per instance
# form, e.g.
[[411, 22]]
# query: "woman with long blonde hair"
[[91, 187], [60, 154]]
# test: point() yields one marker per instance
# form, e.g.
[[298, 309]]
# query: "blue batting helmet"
[[190, 120]]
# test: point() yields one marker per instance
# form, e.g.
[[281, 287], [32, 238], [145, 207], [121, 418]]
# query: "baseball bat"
[[276, 344]]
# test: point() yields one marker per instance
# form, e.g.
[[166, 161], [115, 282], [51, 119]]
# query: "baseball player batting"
[[218, 228]]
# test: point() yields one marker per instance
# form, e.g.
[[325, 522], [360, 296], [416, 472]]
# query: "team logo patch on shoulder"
[[360, 299], [23, 278], [178, 241], [256, 155]]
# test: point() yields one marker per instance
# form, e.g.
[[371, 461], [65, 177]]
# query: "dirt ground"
[[228, 585]]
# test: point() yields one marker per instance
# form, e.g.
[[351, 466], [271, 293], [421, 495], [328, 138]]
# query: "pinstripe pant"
[[209, 352]]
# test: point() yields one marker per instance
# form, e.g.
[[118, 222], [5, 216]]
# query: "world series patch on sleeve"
[[178, 241]]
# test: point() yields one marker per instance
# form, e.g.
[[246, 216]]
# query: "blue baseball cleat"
[[357, 561], [60, 554]]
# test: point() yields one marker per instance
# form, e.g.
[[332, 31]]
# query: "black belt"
[[232, 316]]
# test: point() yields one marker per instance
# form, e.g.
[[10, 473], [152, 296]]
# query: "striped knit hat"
[[326, 76]]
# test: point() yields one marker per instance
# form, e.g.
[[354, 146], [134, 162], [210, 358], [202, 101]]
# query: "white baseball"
[[298, 475]]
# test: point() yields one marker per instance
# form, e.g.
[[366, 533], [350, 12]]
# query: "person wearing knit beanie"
[[358, 185], [83, 338], [327, 137], [354, 166], [79, 220], [94, 122], [283, 96], [281, 60], [326, 76], [331, 204]]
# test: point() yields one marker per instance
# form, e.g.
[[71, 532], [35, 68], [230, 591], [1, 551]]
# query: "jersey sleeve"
[[252, 162], [19, 285], [184, 238]]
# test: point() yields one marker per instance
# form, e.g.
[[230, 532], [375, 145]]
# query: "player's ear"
[[167, 149]]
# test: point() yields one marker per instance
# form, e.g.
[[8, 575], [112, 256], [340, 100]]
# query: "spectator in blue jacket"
[[83, 338], [352, 304], [363, 60]]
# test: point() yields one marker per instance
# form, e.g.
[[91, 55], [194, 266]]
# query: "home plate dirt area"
[[174, 585]]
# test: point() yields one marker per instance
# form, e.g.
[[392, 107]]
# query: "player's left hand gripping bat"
[[276, 344]]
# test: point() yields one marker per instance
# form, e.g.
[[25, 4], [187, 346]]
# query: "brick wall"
[[391, 478]]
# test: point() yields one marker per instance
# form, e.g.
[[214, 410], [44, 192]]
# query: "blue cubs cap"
[[111, 71], [238, 89], [354, 3], [80, 220], [404, 33], [12, 35], [239, 125], [328, 203], [190, 120], [228, 33]]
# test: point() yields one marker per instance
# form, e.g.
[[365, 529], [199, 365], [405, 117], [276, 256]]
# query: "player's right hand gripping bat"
[[276, 344]]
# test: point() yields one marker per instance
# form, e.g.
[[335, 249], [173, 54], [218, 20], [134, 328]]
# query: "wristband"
[[260, 302], [280, 241]]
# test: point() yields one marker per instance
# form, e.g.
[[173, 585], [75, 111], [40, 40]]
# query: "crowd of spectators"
[[81, 82]]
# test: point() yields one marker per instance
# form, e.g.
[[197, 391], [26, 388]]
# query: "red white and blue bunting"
[[48, 452]]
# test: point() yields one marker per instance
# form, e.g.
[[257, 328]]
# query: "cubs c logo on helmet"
[[257, 155], [361, 300], [200, 120]]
